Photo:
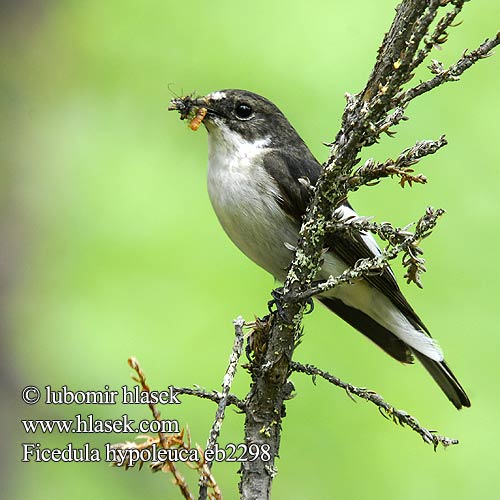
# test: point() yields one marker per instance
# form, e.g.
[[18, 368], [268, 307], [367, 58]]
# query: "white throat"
[[229, 146], [245, 199]]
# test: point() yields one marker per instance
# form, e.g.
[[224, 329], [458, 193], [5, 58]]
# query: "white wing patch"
[[371, 301], [369, 240]]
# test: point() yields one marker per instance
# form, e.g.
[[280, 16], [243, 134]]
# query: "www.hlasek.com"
[[88, 424]]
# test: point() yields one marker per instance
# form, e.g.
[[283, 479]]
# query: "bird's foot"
[[309, 306], [277, 301]]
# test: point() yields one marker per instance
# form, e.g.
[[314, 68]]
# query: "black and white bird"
[[256, 161]]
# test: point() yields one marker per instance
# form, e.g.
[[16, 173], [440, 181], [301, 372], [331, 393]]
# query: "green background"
[[109, 246]]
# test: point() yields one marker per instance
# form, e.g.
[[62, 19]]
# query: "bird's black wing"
[[351, 249], [294, 198], [286, 169]]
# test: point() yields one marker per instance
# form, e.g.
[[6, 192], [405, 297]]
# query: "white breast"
[[244, 198]]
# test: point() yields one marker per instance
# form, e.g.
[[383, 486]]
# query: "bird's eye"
[[243, 111]]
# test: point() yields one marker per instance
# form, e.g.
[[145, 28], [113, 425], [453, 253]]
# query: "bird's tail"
[[445, 378], [396, 348]]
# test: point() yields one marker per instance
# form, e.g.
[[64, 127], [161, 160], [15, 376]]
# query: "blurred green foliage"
[[110, 247]]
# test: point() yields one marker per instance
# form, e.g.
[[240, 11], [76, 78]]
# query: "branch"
[[226, 387], [214, 396], [401, 167], [400, 241], [366, 116], [171, 442], [388, 411], [395, 56], [439, 36], [178, 477], [452, 74]]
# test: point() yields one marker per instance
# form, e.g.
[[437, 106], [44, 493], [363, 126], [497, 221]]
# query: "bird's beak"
[[193, 108]]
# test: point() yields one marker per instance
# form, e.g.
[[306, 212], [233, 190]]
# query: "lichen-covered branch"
[[400, 417], [451, 74], [439, 36], [367, 115], [214, 396], [400, 242], [372, 171]]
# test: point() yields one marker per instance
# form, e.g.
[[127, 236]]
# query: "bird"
[[260, 174]]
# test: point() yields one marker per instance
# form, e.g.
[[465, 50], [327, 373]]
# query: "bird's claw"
[[309, 306], [277, 301]]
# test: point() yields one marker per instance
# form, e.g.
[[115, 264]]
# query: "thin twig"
[[439, 36], [400, 241], [372, 171], [178, 477], [400, 417], [174, 441], [388, 121], [226, 387], [392, 68], [214, 396], [452, 73]]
